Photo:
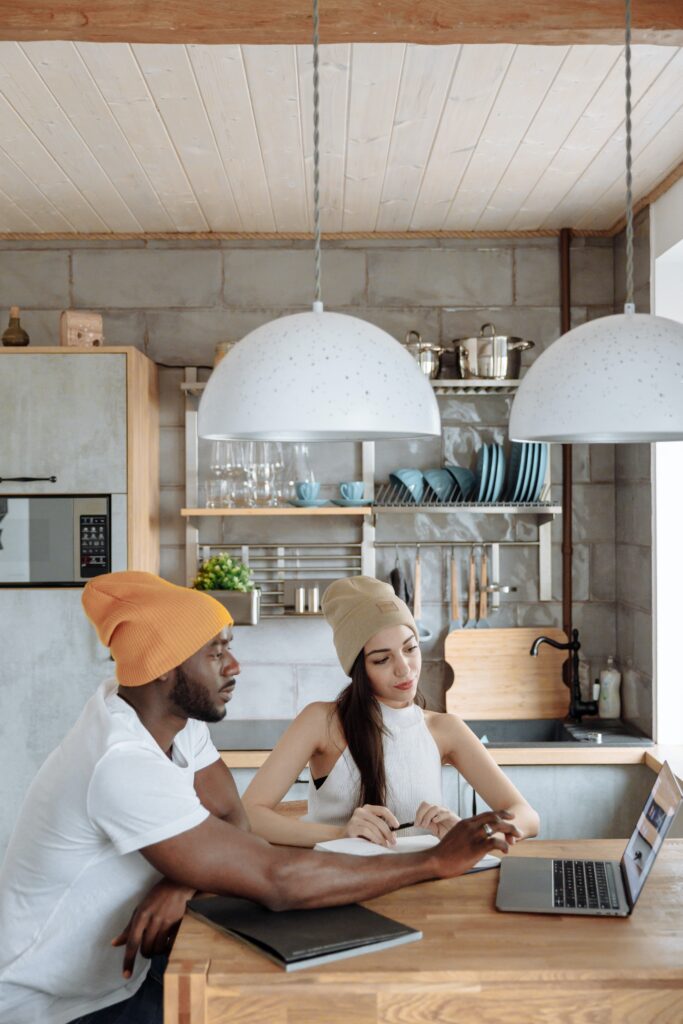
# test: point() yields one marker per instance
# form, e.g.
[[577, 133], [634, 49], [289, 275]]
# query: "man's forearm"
[[217, 858], [325, 880], [232, 863]]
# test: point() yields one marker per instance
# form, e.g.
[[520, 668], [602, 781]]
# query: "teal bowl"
[[465, 479], [441, 483], [411, 482]]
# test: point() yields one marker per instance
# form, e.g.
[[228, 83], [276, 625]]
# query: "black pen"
[[405, 824]]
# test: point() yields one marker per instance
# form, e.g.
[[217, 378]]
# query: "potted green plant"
[[229, 581]]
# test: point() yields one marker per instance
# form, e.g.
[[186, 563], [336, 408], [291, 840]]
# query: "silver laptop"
[[604, 888]]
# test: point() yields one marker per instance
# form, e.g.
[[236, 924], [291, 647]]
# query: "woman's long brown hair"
[[361, 721]]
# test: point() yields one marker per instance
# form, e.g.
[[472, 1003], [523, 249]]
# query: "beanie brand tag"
[[387, 606]]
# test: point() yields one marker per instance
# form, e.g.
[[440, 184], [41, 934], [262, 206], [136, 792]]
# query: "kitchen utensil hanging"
[[482, 622], [472, 594], [423, 632], [399, 581], [456, 621]]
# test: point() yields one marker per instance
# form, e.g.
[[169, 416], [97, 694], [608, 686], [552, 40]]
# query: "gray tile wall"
[[175, 302], [633, 532]]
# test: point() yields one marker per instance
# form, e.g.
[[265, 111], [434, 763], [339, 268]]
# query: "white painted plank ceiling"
[[172, 138]]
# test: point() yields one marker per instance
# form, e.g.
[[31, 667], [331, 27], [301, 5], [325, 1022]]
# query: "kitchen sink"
[[543, 732], [514, 732], [611, 731]]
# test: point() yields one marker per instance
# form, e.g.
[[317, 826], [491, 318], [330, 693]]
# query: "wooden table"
[[474, 964]]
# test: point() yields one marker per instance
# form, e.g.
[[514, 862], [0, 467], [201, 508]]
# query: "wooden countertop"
[[474, 964], [578, 754]]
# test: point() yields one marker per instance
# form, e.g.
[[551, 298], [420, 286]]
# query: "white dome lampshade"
[[618, 379], [318, 377]]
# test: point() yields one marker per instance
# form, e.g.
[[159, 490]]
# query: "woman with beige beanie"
[[374, 754]]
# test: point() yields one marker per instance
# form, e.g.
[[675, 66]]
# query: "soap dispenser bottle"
[[609, 702]]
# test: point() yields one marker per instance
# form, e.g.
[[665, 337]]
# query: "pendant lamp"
[[614, 380], [318, 376]]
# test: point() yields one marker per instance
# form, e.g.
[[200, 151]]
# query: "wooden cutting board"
[[496, 677]]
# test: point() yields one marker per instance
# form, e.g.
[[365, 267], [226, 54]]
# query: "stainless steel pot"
[[426, 354], [490, 356]]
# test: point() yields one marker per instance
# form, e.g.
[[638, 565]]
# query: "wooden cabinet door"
[[63, 415]]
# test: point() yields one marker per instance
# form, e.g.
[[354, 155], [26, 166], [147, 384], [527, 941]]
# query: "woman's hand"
[[154, 923], [435, 819], [373, 823]]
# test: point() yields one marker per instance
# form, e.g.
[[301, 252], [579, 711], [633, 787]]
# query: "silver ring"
[[488, 831]]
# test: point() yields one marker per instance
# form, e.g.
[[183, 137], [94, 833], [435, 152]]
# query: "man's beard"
[[192, 699]]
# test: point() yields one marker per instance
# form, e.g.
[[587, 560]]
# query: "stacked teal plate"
[[526, 471], [499, 478], [540, 481], [482, 474], [490, 476]]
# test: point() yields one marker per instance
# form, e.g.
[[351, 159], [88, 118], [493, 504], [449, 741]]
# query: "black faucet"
[[577, 706]]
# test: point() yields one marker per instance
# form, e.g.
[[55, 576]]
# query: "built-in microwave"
[[54, 541]]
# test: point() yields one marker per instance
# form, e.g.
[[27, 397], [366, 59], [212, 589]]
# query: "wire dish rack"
[[278, 569], [397, 496]]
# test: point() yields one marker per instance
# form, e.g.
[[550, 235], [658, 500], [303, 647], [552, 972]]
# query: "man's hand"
[[373, 823], [154, 923], [435, 819], [471, 838]]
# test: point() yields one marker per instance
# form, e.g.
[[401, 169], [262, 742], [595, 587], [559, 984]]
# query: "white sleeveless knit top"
[[413, 772]]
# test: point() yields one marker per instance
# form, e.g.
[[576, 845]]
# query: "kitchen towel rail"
[[495, 588], [277, 566]]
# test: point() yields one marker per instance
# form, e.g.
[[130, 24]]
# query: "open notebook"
[[404, 844]]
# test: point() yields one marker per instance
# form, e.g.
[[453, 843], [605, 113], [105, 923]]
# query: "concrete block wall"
[[177, 301], [633, 521]]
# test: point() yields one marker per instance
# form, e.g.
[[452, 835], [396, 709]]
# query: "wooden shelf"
[[333, 511]]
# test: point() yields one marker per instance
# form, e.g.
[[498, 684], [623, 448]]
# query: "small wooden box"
[[81, 329]]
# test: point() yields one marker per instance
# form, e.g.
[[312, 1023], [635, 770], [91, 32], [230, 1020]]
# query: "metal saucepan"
[[489, 355], [426, 354]]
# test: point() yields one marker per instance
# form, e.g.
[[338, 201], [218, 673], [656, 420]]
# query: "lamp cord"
[[316, 154], [630, 305]]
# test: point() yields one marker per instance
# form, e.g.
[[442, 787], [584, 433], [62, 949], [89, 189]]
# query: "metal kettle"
[[425, 353]]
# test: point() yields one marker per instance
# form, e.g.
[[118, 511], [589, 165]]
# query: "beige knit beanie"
[[150, 625], [356, 608]]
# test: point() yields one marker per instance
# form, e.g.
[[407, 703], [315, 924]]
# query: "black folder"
[[303, 938]]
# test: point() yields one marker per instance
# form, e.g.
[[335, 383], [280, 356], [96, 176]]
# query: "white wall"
[[667, 300]]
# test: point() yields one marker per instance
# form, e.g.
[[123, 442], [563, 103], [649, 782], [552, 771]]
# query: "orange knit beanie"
[[151, 626]]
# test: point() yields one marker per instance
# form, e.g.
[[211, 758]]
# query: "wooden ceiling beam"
[[554, 22]]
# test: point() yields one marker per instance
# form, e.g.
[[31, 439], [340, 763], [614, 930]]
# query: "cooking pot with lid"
[[490, 356], [426, 354]]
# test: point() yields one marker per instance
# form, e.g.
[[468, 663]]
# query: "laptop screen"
[[651, 828]]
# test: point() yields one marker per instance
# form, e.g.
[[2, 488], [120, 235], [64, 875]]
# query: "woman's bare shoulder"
[[444, 723], [321, 720]]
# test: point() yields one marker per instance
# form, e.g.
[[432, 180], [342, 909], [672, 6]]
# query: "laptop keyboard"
[[584, 883]]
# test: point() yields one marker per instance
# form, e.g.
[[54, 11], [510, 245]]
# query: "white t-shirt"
[[73, 873]]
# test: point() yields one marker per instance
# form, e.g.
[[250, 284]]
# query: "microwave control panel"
[[94, 537]]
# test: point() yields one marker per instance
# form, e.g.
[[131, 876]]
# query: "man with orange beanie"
[[135, 811]]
